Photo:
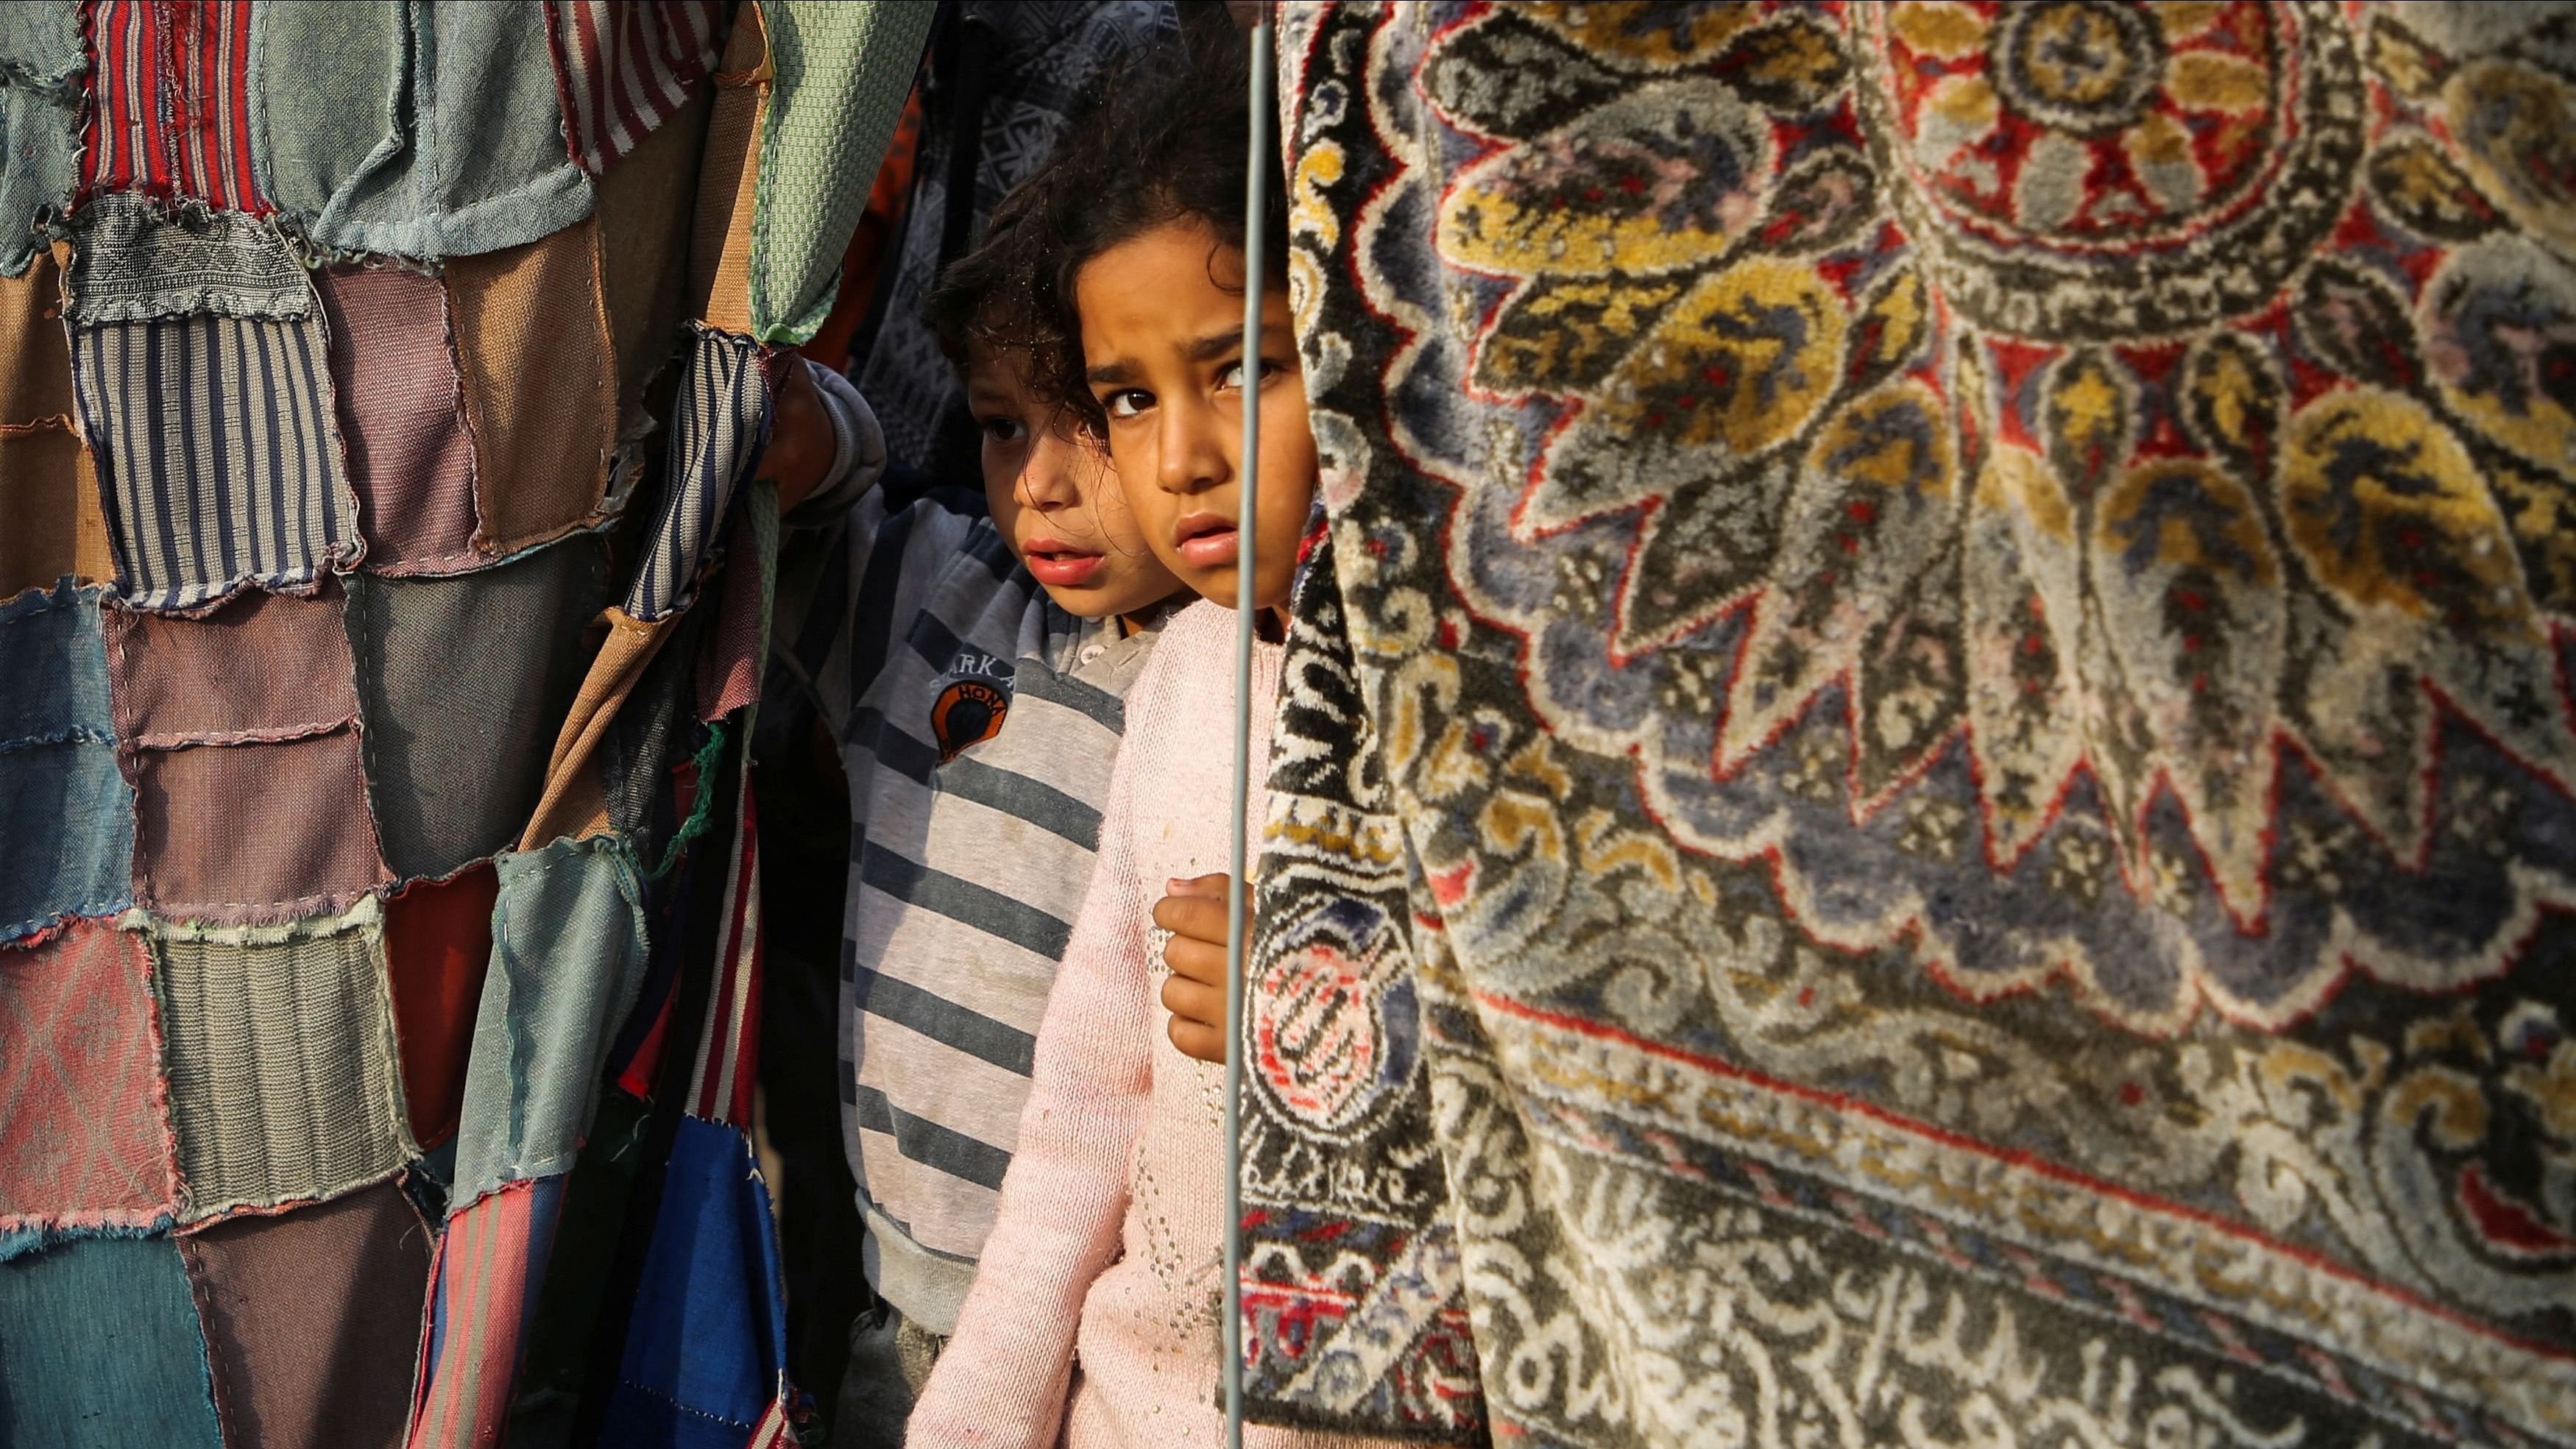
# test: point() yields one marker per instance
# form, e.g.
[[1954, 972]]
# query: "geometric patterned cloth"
[[77, 1033], [1964, 613]]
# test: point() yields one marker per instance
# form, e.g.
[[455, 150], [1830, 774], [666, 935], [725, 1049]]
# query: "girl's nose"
[[1192, 450]]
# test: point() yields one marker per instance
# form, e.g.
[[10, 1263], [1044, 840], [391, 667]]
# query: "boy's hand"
[[1194, 912], [800, 440]]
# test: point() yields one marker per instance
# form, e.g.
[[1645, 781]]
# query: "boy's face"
[[1162, 338], [1055, 497]]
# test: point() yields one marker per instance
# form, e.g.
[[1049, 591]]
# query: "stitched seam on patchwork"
[[166, 742]]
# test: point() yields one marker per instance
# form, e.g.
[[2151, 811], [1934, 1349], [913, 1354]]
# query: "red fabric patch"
[[88, 1143], [170, 92], [438, 942]]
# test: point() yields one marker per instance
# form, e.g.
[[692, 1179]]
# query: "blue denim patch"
[[40, 100], [707, 1341], [69, 811], [435, 130], [100, 1349], [568, 955]]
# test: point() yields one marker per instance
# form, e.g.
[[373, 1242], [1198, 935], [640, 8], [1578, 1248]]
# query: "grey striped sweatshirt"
[[978, 724]]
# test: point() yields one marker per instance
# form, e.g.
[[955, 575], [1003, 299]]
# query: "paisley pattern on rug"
[[1962, 613]]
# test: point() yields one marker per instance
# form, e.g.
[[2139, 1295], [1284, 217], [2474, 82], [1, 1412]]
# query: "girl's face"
[[1162, 338], [1055, 497]]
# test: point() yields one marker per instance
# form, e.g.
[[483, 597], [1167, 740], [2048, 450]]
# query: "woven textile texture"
[[88, 1144], [75, 1377], [575, 801], [169, 112], [719, 424], [491, 1264], [132, 260], [568, 949], [623, 70], [841, 70], [706, 1354], [59, 780], [41, 93], [646, 205], [1040, 54], [432, 131], [540, 385], [263, 667], [312, 1320], [219, 457], [35, 354], [402, 418], [239, 731], [729, 179], [284, 1085], [50, 523], [1964, 610], [462, 684], [438, 942]]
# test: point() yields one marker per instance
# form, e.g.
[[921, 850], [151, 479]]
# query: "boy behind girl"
[[974, 682]]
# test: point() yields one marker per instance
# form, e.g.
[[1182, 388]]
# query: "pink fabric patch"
[[254, 832], [402, 412], [239, 733], [88, 1140], [262, 667]]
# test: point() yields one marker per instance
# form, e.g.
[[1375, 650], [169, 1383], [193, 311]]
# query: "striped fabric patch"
[[623, 68], [171, 102], [218, 457], [491, 1264], [729, 1041], [719, 424]]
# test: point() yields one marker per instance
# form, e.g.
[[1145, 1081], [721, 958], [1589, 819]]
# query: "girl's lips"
[[1205, 541], [1060, 565]]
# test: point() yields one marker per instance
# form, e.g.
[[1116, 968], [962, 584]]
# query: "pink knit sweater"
[[1093, 1318]]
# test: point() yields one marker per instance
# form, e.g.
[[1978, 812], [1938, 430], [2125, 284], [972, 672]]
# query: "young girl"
[[1093, 1319], [973, 677]]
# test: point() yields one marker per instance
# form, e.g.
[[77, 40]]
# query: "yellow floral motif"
[[1596, 198], [2517, 130], [2373, 484], [2224, 534], [1937, 27], [1741, 362], [1639, 30]]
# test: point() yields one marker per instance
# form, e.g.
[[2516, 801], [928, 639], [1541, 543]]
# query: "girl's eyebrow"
[[1214, 346], [1112, 372]]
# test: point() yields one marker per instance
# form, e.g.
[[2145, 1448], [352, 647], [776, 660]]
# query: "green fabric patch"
[[843, 68]]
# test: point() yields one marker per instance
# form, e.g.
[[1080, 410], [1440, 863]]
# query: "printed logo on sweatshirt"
[[967, 712]]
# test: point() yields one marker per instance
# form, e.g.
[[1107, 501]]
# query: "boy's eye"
[[1002, 430], [1127, 402]]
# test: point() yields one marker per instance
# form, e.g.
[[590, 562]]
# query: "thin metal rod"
[[1246, 530]]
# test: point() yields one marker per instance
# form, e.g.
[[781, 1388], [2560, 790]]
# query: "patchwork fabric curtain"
[[382, 593], [1960, 622]]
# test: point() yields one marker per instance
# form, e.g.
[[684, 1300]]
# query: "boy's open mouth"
[[1205, 540], [1058, 564]]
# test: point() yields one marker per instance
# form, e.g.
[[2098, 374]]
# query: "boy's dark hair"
[[1162, 140]]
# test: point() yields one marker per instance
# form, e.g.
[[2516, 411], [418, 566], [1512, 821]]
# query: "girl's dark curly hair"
[[1162, 140]]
